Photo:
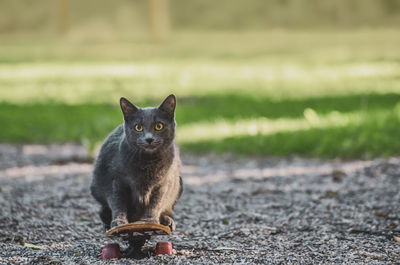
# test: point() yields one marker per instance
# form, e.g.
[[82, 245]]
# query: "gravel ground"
[[248, 210]]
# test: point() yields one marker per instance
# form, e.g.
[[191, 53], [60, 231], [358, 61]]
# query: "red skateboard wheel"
[[110, 251], [164, 248]]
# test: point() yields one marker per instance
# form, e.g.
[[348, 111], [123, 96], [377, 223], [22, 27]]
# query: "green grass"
[[371, 137], [328, 94]]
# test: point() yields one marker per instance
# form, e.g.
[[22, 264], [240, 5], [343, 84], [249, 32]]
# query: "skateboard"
[[136, 234]]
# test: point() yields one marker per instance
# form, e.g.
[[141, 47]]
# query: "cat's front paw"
[[168, 221], [118, 222]]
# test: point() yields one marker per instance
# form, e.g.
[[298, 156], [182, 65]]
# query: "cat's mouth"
[[149, 147]]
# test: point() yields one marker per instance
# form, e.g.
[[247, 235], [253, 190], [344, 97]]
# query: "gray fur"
[[136, 174]]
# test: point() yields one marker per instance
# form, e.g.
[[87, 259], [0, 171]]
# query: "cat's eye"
[[159, 126], [139, 127]]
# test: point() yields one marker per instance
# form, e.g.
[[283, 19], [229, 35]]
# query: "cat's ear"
[[128, 109], [168, 104]]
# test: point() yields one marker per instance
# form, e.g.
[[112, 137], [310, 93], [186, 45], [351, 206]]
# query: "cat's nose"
[[149, 140]]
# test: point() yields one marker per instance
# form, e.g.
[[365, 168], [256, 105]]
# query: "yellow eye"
[[138, 127], [159, 126]]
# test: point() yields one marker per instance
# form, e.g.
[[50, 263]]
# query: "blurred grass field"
[[314, 93]]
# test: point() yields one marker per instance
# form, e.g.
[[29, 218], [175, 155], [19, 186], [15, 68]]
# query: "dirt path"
[[259, 210]]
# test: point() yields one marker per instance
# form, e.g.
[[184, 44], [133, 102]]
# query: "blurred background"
[[316, 78]]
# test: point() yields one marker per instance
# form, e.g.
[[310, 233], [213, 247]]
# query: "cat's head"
[[149, 129]]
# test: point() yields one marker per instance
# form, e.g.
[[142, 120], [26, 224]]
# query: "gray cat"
[[136, 174]]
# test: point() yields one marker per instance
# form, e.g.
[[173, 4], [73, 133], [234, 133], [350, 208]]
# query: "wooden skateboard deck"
[[139, 229], [136, 233]]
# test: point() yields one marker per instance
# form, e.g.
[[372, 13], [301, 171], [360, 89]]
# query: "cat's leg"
[[166, 216], [119, 215], [118, 204], [160, 208], [151, 215], [167, 213], [153, 206], [105, 216]]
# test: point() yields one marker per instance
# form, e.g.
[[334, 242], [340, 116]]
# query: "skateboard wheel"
[[164, 248], [110, 251]]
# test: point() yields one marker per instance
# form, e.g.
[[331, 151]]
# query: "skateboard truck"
[[136, 234]]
